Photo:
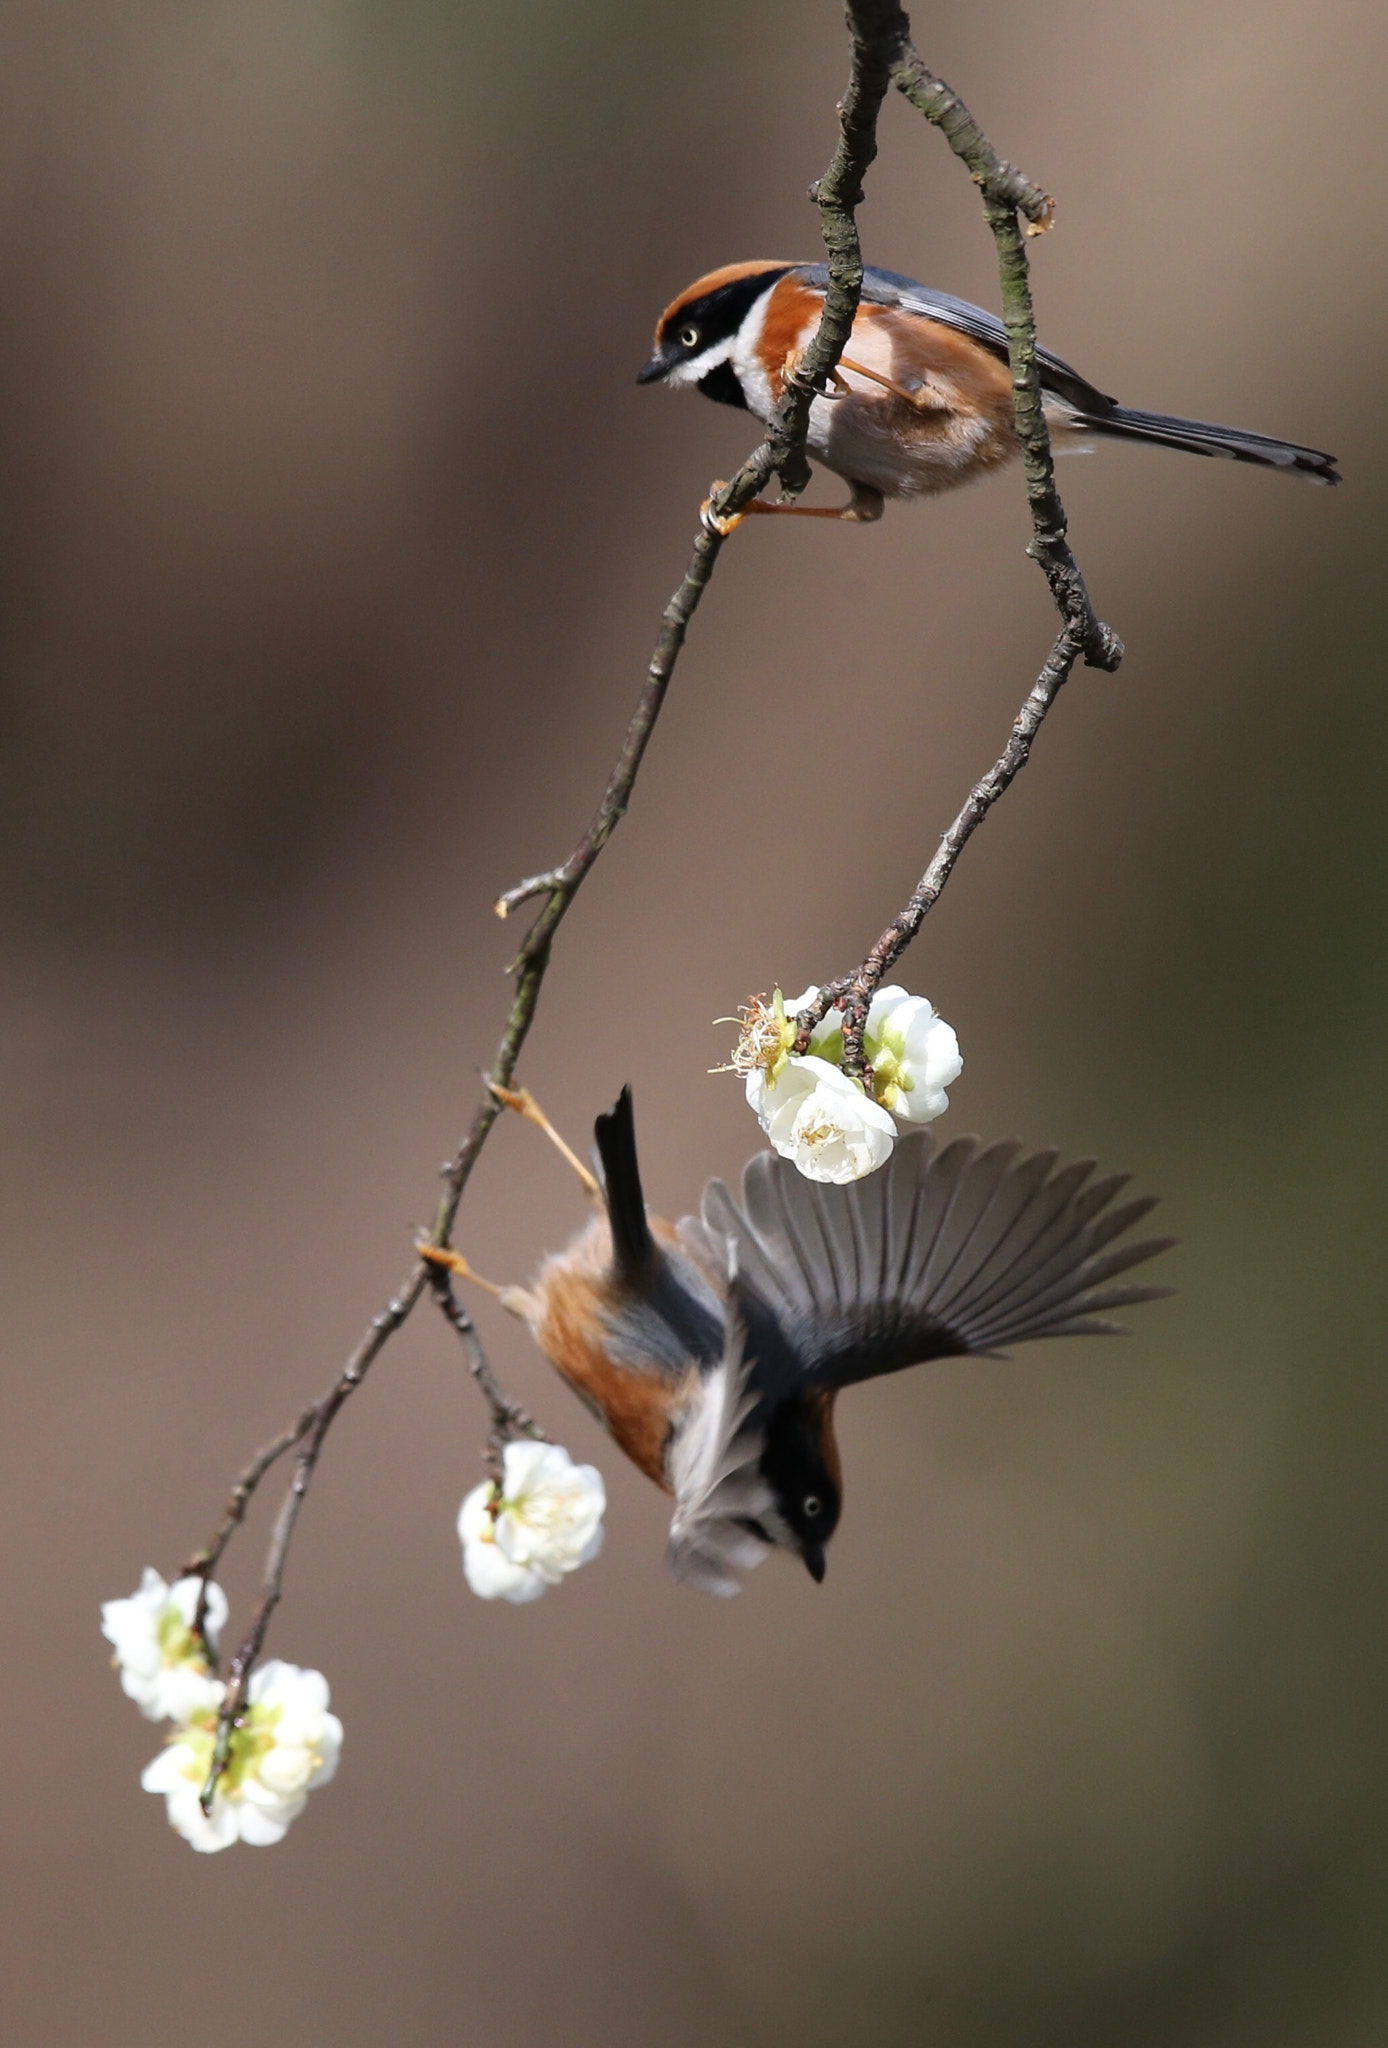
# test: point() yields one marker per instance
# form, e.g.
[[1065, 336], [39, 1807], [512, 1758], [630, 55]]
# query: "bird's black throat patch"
[[722, 387]]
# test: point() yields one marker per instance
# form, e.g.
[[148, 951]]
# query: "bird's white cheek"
[[698, 367], [746, 358]]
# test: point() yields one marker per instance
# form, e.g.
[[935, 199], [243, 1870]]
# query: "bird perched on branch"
[[922, 399], [713, 1350]]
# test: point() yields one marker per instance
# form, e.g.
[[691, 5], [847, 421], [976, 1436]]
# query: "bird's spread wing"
[[719, 1491], [940, 1252], [889, 288]]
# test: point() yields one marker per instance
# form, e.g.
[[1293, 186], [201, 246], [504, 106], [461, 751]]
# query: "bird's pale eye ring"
[[811, 1504], [689, 337]]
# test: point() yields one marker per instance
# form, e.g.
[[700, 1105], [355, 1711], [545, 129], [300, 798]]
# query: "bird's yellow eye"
[[811, 1504], [689, 337]]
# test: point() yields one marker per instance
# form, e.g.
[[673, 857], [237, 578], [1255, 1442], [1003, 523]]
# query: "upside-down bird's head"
[[800, 1464]]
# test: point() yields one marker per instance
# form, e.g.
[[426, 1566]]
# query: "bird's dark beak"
[[813, 1554], [654, 371]]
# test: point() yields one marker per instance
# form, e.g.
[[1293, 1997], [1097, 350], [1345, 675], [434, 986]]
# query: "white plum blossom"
[[819, 1118], [287, 1744], [546, 1523], [162, 1663], [913, 1053], [822, 1118], [763, 1051]]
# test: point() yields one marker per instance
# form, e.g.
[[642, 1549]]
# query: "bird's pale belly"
[[903, 451]]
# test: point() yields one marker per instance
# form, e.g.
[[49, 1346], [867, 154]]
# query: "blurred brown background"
[[334, 536]]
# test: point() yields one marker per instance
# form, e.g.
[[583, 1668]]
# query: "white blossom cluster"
[[545, 1523], [285, 1744], [823, 1119]]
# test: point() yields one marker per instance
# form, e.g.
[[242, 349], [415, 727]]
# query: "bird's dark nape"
[[615, 1132]]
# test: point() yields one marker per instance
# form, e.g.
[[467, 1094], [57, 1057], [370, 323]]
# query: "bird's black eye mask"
[[702, 324], [793, 1464]]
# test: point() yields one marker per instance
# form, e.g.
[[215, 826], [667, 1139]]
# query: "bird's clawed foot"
[[515, 1300], [714, 522], [444, 1256], [524, 1104], [865, 506]]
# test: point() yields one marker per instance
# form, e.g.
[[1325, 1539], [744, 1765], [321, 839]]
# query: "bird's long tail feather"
[[1202, 437], [632, 1243]]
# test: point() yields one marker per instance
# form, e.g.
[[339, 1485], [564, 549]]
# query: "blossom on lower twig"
[[286, 1744], [545, 1523], [162, 1661]]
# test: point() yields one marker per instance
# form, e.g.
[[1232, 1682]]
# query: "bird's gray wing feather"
[[939, 1253], [715, 1473], [890, 288]]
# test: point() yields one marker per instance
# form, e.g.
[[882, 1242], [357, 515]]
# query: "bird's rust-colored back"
[[571, 1302]]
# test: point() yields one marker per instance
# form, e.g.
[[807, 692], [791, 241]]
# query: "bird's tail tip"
[[1204, 437]]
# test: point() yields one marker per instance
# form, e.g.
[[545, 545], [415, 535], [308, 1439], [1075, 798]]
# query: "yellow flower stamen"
[[766, 1036]]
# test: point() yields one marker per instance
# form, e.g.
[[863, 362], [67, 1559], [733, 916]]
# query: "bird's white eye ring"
[[689, 337], [811, 1504]]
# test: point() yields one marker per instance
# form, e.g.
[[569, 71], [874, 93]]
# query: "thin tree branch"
[[1006, 194], [838, 194], [944, 109], [508, 1418], [203, 1563], [881, 56], [876, 30], [319, 1419], [855, 991], [560, 886]]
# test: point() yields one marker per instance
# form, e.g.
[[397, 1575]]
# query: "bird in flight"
[[714, 1349]]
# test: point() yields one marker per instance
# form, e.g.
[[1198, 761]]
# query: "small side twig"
[[310, 1431], [853, 993], [508, 1418], [203, 1563]]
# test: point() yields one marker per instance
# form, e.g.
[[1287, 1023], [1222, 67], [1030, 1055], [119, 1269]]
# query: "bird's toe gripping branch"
[[524, 1104], [862, 509], [716, 522], [442, 1259]]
